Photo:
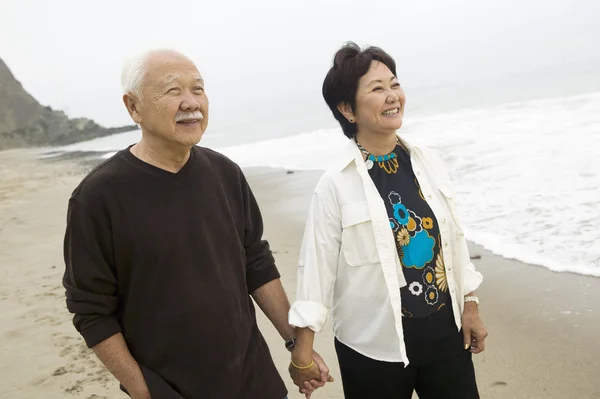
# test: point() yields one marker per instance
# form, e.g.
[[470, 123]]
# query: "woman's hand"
[[308, 379], [474, 330]]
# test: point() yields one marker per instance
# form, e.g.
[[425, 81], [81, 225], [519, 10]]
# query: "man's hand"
[[312, 378], [474, 330]]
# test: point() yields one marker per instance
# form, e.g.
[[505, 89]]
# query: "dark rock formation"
[[24, 122]]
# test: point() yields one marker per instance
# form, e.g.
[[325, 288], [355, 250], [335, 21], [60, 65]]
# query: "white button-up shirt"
[[349, 264]]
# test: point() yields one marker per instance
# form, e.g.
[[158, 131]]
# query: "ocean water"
[[527, 172]]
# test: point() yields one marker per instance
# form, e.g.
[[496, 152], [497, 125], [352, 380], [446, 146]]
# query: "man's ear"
[[132, 107], [346, 110]]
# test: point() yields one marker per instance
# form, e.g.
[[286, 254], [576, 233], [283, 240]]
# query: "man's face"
[[173, 106]]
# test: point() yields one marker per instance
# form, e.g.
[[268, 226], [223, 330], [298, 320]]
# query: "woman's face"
[[379, 101]]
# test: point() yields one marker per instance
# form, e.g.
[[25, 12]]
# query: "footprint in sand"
[[66, 343], [81, 363], [13, 334], [49, 320], [65, 351], [59, 371], [75, 388], [84, 351], [31, 314]]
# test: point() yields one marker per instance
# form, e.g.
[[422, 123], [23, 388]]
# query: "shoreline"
[[542, 324], [89, 159]]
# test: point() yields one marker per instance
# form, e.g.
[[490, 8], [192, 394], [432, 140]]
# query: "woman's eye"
[[396, 85], [378, 89]]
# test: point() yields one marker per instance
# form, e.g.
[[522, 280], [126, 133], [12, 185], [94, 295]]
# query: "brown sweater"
[[170, 260]]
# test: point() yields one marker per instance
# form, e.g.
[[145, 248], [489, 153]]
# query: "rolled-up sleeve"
[[90, 278], [317, 265], [472, 279], [260, 263]]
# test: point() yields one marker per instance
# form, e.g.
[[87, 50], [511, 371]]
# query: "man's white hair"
[[135, 68]]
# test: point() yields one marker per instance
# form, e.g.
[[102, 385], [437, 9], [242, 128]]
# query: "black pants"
[[439, 367]]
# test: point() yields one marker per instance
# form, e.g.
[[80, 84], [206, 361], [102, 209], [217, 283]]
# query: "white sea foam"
[[528, 173]]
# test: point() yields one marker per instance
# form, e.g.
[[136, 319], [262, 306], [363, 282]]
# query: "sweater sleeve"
[[90, 278], [260, 264]]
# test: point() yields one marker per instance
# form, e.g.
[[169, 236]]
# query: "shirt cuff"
[[308, 314], [97, 333], [472, 280]]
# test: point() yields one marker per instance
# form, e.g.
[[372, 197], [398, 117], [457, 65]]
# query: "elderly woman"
[[384, 250]]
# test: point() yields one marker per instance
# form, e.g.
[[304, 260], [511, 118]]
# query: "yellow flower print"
[[412, 225], [403, 237], [428, 223], [431, 295], [400, 251], [429, 276], [440, 274]]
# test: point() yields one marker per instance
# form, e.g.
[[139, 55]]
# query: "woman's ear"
[[346, 110]]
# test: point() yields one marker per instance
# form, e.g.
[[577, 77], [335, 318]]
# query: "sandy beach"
[[543, 325]]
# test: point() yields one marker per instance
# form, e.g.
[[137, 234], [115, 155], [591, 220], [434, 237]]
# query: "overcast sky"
[[68, 53]]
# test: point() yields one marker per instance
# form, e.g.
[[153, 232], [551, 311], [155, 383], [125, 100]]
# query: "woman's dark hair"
[[350, 63]]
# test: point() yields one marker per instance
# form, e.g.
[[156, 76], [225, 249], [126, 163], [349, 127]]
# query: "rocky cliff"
[[24, 122]]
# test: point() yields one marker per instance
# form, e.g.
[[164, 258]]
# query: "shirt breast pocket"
[[358, 239]]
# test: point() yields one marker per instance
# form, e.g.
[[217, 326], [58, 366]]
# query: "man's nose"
[[189, 102]]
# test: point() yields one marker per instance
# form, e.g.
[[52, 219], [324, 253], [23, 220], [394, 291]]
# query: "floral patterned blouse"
[[416, 233]]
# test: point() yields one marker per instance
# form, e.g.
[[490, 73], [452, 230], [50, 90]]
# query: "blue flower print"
[[401, 214], [419, 251]]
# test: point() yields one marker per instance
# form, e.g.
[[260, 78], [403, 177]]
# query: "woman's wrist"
[[471, 307], [301, 357], [303, 350]]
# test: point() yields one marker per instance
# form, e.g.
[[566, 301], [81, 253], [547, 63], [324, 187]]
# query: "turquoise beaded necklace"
[[388, 162]]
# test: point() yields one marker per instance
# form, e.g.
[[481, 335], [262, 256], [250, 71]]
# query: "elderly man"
[[163, 249]]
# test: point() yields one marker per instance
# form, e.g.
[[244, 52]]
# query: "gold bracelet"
[[303, 367]]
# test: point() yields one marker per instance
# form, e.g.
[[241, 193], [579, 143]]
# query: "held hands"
[[309, 372], [474, 330]]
